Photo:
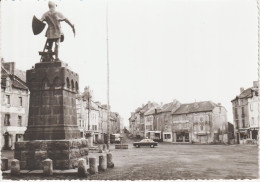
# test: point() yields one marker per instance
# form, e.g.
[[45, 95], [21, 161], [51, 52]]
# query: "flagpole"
[[108, 105]]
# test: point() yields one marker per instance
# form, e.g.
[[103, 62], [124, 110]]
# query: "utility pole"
[[108, 105]]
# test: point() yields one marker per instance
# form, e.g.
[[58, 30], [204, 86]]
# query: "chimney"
[[241, 89], [255, 84], [9, 66]]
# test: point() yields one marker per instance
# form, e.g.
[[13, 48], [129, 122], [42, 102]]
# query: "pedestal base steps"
[[63, 153]]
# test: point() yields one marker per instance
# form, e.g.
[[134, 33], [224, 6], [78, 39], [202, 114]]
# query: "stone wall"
[[64, 153]]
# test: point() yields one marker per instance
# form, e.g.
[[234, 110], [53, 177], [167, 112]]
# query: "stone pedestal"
[[63, 153], [52, 112], [52, 130]]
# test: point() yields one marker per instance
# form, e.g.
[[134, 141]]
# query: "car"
[[145, 142]]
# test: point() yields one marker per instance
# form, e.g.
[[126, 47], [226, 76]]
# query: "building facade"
[[198, 122], [245, 114], [92, 118], [14, 105], [137, 121]]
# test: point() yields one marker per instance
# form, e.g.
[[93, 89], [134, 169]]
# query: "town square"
[[129, 90]]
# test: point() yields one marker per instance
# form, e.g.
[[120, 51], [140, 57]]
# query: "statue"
[[54, 33]]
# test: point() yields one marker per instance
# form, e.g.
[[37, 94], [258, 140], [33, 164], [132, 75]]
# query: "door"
[[187, 138], [237, 138], [203, 139]]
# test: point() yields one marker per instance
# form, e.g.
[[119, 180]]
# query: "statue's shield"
[[37, 26]]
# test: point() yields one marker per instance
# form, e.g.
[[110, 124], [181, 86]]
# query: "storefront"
[[11, 135], [154, 135], [167, 136], [182, 137]]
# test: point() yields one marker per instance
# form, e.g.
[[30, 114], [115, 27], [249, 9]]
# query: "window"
[[149, 127], [243, 113], [7, 99], [243, 122], [94, 127], [236, 115], [20, 101], [7, 120], [253, 120], [167, 136], [19, 120], [201, 127]]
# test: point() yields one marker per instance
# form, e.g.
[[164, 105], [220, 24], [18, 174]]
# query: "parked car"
[[146, 142]]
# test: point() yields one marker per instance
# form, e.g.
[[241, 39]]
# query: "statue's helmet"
[[52, 4]]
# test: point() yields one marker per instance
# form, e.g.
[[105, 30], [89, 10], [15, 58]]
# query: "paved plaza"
[[171, 161]]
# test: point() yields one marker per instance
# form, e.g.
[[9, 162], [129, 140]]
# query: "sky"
[[159, 50]]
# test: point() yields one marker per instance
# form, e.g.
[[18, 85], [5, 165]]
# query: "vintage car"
[[146, 142]]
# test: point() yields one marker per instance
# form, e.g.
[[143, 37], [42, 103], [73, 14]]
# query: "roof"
[[195, 107], [18, 84], [18, 78], [151, 111], [21, 74], [171, 107], [247, 93]]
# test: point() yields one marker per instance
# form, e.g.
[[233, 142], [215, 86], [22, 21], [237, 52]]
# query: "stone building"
[[114, 122], [132, 126], [81, 114], [137, 120], [199, 122], [163, 119], [97, 120], [88, 124], [245, 115], [14, 104]]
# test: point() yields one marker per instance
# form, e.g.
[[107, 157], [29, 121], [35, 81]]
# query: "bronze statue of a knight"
[[54, 33]]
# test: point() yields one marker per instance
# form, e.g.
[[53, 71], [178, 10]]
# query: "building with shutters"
[[14, 104], [245, 114]]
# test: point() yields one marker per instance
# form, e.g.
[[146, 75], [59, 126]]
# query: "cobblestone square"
[[171, 161]]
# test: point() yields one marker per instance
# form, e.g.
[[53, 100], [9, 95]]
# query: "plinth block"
[[63, 153], [4, 164], [15, 167]]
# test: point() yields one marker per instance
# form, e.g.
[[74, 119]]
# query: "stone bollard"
[[110, 163], [15, 167], [82, 168], [4, 164], [102, 162], [47, 167], [93, 168]]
